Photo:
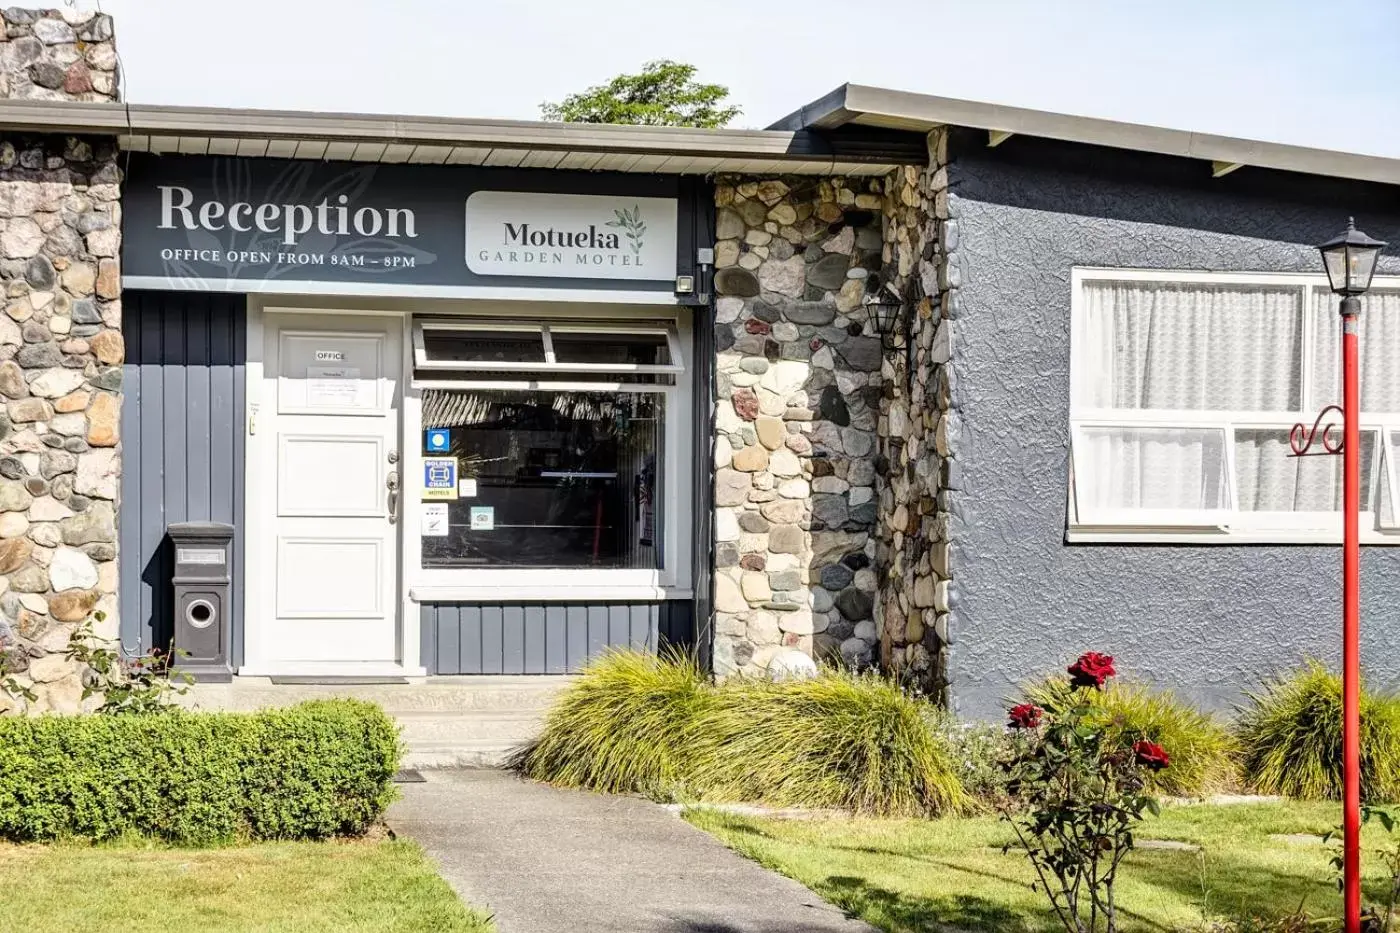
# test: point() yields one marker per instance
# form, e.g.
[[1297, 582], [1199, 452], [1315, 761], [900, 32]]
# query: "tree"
[[664, 94]]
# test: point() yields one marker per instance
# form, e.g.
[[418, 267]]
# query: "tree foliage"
[[665, 93]]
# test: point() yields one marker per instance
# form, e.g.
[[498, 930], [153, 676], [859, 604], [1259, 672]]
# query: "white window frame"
[[545, 330], [1232, 525], [677, 467]]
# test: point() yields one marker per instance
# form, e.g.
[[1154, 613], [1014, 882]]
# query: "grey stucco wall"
[[1206, 620]]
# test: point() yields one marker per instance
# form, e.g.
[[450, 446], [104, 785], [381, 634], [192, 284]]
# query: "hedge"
[[321, 769]]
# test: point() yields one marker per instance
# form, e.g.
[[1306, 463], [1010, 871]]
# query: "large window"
[[550, 456], [1185, 387], [556, 479]]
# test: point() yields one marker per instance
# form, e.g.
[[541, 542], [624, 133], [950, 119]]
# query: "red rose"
[[1025, 716], [1091, 670], [1151, 755]]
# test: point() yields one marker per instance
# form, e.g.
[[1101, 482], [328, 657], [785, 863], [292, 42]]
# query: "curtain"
[[1269, 480], [1194, 346], [1379, 350], [1151, 468]]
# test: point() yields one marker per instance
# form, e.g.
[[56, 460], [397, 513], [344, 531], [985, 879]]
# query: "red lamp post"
[[1350, 260]]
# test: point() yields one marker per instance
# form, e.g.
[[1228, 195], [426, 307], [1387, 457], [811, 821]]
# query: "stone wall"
[[918, 432], [797, 399], [58, 55], [61, 352]]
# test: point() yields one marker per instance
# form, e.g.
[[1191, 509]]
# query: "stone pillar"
[[919, 431], [797, 395], [61, 354]]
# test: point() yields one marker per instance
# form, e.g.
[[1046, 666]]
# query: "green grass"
[[1201, 749], [1291, 736], [330, 887], [636, 723], [917, 876]]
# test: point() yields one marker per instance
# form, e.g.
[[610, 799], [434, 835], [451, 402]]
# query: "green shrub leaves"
[[315, 770], [641, 724]]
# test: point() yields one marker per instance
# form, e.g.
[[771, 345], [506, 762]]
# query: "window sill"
[[447, 593], [1274, 537]]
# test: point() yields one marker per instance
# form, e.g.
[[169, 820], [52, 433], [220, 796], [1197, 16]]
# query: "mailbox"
[[202, 581]]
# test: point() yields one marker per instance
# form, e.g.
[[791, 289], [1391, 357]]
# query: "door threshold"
[[345, 680]]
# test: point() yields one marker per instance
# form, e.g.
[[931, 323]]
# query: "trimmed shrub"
[[641, 724], [319, 769], [1290, 734], [622, 728], [1201, 749]]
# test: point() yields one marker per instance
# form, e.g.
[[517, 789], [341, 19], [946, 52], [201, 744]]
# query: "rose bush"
[[1078, 792]]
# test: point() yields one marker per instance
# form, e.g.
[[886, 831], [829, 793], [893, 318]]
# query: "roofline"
[[858, 103], [871, 146]]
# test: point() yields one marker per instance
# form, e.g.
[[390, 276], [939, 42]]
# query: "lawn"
[[917, 876], [293, 887]]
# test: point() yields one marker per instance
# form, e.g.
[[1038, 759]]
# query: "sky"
[[1324, 73]]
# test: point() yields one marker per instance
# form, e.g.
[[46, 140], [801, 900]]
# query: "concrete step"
[[447, 722], [495, 725], [434, 693]]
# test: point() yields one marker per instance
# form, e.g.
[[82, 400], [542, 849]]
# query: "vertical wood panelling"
[[543, 638], [182, 446], [578, 636], [556, 640]]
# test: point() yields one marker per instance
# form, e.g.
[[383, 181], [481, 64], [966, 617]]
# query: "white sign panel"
[[571, 235], [332, 386], [434, 520]]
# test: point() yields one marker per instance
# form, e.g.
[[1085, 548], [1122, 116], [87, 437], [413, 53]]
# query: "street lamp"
[[1350, 260]]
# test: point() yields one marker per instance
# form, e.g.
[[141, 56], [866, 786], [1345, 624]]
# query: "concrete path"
[[553, 861]]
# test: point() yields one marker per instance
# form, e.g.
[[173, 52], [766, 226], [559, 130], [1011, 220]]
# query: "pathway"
[[545, 860]]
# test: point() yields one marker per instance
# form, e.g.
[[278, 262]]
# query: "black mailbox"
[[203, 554]]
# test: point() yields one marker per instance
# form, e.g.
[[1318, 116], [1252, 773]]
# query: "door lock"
[[393, 456], [392, 483]]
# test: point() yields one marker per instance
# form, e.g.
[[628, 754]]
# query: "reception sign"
[[251, 224]]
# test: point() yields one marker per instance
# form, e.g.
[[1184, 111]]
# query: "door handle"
[[392, 483]]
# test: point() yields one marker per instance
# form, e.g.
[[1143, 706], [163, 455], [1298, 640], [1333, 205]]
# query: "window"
[[559, 447], [573, 348], [1185, 387], [570, 478]]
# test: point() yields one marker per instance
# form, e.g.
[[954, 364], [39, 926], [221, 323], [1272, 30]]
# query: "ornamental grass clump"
[[1202, 749], [625, 727], [853, 741], [1290, 737], [1077, 792], [635, 723]]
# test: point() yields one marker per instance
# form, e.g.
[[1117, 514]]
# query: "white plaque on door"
[[332, 386]]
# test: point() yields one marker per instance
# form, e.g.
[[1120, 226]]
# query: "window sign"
[[440, 478], [483, 518], [434, 520], [438, 439]]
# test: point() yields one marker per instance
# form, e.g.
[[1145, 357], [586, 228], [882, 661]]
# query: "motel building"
[[435, 410]]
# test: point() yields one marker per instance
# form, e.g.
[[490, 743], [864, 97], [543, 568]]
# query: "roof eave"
[[873, 106]]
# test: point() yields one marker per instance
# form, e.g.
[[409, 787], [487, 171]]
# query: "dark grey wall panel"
[[182, 445], [1206, 620], [544, 638]]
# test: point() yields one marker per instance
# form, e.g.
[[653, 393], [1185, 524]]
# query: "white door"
[[329, 433]]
